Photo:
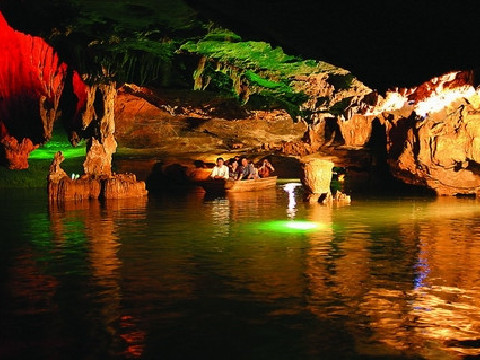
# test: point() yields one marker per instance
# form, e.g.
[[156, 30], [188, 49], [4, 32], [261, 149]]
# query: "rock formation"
[[317, 175], [429, 134], [31, 83], [61, 187], [214, 93], [142, 123], [98, 127]]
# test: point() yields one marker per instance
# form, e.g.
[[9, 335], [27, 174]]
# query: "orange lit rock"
[[357, 130], [98, 127], [122, 186], [141, 124], [63, 188], [317, 175], [430, 133], [15, 152]]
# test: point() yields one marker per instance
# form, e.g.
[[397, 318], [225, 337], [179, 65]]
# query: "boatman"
[[220, 171], [247, 170]]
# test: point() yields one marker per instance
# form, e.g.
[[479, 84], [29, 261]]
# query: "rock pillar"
[[97, 182], [317, 175], [99, 124]]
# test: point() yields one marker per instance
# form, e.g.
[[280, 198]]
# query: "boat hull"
[[240, 186]]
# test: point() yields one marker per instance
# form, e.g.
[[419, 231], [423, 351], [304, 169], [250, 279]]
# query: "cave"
[[194, 179]]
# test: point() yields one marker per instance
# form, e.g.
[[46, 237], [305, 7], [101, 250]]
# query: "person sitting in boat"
[[220, 171], [234, 169], [247, 170], [265, 169]]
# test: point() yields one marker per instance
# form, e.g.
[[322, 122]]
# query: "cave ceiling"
[[401, 43]]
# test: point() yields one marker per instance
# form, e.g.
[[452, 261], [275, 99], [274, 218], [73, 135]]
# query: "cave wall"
[[32, 80], [263, 100], [430, 133]]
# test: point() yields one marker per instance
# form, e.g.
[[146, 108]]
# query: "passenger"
[[220, 171], [265, 169], [247, 170], [234, 170]]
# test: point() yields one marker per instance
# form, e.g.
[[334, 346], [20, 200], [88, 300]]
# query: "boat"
[[230, 186]]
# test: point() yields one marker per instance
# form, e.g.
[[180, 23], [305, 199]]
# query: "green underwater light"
[[49, 152], [292, 226]]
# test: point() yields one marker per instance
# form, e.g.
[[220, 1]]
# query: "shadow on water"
[[250, 276]]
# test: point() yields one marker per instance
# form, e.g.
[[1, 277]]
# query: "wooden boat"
[[231, 186]]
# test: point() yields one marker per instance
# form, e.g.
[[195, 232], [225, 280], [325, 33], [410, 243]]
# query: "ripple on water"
[[376, 278]]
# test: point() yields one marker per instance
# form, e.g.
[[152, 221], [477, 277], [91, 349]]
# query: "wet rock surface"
[[87, 187]]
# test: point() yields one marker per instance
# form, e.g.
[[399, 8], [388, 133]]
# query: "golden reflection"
[[438, 243], [255, 266], [247, 203], [98, 224], [220, 215]]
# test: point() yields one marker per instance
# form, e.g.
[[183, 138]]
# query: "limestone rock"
[[99, 157], [32, 80], [317, 175], [55, 172], [98, 127], [87, 187], [140, 124], [15, 152], [429, 135]]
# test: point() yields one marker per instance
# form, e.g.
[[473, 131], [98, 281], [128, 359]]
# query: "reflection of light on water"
[[221, 216], [302, 225], [422, 273], [290, 189], [292, 226]]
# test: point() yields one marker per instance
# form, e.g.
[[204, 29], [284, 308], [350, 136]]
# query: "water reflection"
[[68, 274], [403, 284], [163, 277], [290, 190], [97, 224]]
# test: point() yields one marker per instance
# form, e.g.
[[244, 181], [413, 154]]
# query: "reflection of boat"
[[239, 186]]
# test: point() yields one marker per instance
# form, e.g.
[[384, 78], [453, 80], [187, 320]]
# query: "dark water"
[[253, 276]]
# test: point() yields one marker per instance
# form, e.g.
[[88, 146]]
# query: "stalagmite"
[[317, 175], [99, 122]]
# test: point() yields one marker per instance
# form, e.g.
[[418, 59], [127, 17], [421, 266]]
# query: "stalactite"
[[197, 74]]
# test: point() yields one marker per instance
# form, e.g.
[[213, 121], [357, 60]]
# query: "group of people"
[[240, 169]]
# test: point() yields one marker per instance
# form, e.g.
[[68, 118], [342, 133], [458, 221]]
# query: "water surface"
[[252, 276]]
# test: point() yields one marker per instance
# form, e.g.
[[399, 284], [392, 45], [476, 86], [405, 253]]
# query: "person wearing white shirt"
[[220, 171]]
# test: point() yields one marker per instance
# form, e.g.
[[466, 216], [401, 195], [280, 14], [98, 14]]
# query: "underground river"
[[249, 276]]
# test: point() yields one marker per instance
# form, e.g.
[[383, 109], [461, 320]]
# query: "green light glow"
[[49, 153], [58, 142], [292, 226], [301, 225]]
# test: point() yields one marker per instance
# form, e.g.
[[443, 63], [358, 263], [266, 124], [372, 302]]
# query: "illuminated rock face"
[[428, 135], [32, 80], [63, 188], [98, 127], [31, 83], [141, 124], [431, 133], [317, 175]]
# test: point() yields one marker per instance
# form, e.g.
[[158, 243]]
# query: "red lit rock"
[[31, 83]]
